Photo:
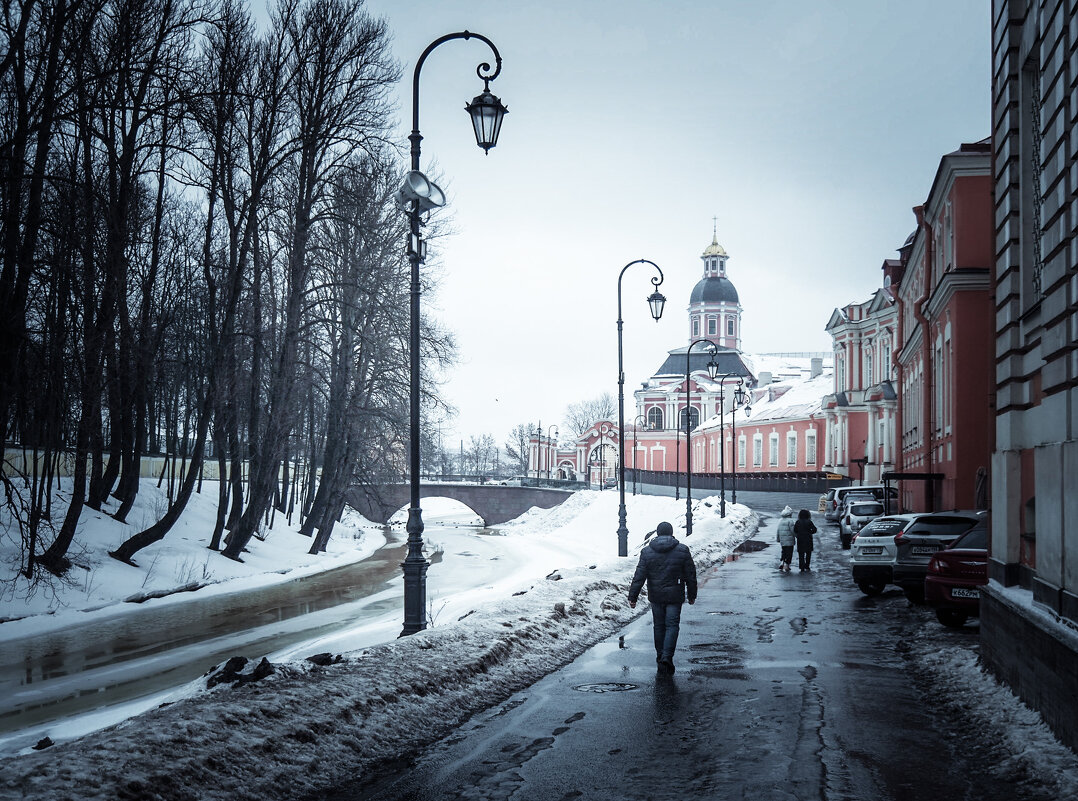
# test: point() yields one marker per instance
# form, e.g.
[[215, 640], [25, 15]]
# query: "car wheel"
[[951, 619], [871, 587]]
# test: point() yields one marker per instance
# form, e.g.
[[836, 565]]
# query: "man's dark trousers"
[[667, 619]]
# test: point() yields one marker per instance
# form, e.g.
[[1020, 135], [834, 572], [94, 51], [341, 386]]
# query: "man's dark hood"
[[663, 544]]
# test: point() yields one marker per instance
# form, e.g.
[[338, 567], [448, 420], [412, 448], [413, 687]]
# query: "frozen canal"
[[139, 657]]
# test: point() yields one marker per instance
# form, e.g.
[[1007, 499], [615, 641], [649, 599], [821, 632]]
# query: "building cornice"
[[964, 279]]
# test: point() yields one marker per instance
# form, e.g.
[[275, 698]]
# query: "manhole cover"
[[606, 687]]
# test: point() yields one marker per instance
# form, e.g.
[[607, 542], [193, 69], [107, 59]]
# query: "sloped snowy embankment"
[[306, 727]]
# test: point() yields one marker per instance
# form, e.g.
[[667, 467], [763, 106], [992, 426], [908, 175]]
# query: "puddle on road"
[[605, 687]]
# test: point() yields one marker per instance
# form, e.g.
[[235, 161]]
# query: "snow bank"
[[305, 727]]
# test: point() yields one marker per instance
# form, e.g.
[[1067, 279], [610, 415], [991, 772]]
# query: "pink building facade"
[[860, 410], [943, 367]]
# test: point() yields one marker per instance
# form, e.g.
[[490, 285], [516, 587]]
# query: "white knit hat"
[[787, 512]]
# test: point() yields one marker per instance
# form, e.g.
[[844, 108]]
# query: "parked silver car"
[[918, 543], [872, 559]]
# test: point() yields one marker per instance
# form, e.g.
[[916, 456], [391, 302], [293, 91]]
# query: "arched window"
[[655, 418], [694, 418]]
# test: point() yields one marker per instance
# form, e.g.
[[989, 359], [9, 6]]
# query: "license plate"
[[872, 551], [923, 549], [962, 592]]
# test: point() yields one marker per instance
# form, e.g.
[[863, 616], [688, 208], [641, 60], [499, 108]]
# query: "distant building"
[[861, 408], [1029, 611], [655, 437]]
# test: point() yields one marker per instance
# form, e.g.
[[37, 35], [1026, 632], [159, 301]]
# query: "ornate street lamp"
[[656, 301], [636, 426], [739, 398], [417, 196], [712, 370], [551, 439], [538, 452]]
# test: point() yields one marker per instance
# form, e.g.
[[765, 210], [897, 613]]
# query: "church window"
[[711, 323], [791, 448], [741, 451], [773, 450], [694, 418], [757, 450], [655, 418], [695, 327], [810, 447], [729, 326]]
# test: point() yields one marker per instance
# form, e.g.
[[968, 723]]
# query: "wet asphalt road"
[[788, 686]]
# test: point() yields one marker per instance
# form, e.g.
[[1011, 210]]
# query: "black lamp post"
[[538, 452], [551, 439], [739, 398], [656, 301], [636, 426], [602, 457], [417, 196], [677, 460], [712, 369]]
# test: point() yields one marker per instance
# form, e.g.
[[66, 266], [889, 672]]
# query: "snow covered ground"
[[550, 586], [507, 608], [97, 585]]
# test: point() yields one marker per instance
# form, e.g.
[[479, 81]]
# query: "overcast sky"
[[809, 129]]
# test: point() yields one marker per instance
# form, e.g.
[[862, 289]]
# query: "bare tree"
[[516, 446], [581, 415]]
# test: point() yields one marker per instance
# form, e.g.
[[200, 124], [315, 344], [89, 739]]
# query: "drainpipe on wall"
[[926, 345]]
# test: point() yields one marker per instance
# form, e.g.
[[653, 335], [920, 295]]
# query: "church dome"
[[714, 289], [714, 249]]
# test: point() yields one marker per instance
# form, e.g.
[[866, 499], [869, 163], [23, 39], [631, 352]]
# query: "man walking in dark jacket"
[[667, 566]]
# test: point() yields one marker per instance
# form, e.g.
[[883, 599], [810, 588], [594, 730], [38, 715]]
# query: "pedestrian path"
[[788, 686]]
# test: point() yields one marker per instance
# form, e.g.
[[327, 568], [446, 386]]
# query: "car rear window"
[[863, 509], [941, 526], [883, 526], [975, 538]]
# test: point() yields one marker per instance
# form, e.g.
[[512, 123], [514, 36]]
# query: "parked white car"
[[858, 510], [872, 558], [834, 500]]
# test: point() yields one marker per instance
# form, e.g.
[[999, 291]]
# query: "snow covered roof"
[[783, 400]]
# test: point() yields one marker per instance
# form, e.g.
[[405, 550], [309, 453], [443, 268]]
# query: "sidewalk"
[[788, 686]]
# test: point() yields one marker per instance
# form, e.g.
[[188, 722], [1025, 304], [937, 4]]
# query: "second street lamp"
[[636, 426], [739, 398], [417, 196], [552, 439], [656, 301], [712, 370]]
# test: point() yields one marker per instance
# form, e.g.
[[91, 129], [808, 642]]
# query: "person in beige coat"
[[785, 538]]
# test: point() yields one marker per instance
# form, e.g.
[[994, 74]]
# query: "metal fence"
[[750, 482]]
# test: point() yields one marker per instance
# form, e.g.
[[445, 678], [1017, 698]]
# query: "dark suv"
[[918, 543]]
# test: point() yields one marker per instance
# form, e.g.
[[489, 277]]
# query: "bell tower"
[[714, 308]]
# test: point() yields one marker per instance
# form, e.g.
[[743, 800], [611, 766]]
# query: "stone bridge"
[[492, 502]]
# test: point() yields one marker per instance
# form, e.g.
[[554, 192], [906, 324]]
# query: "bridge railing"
[[515, 481]]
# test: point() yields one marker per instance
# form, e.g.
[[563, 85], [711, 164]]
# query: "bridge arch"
[[492, 502]]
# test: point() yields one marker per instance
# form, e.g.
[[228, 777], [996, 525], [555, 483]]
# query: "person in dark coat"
[[804, 528], [670, 572]]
